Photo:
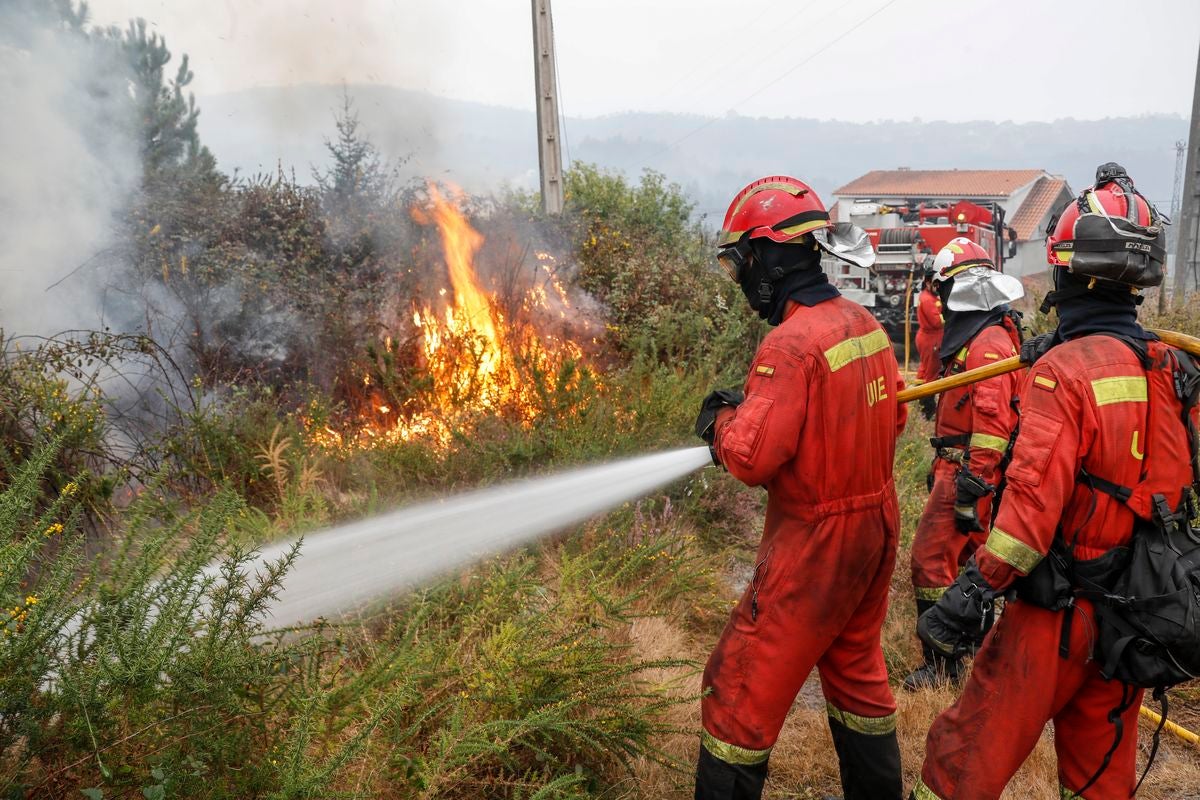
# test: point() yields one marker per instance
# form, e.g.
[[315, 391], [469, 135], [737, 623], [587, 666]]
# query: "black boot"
[[720, 780], [938, 670], [870, 763]]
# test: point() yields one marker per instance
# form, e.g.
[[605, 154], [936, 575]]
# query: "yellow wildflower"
[[56, 528], [70, 489]]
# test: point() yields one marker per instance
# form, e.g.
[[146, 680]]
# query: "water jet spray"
[[346, 567]]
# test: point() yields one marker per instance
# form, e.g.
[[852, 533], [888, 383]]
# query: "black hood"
[[781, 272], [963, 326], [1101, 309]]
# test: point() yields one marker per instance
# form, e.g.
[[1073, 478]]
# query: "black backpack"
[[1148, 618], [1146, 594]]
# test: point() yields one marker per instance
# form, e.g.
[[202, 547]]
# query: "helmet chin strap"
[[765, 290], [1067, 288]]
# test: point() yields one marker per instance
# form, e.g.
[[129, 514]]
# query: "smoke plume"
[[69, 165]]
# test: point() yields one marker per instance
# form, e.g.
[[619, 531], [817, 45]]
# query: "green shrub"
[[145, 668]]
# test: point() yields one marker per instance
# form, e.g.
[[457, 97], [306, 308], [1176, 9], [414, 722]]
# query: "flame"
[[471, 354]]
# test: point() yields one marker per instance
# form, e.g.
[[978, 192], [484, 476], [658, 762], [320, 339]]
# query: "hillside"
[[487, 147]]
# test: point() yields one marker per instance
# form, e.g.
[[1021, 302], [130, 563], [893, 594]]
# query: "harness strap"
[[1114, 490], [1161, 696], [955, 440], [1064, 639]]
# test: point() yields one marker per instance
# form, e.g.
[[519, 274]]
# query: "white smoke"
[[68, 164]]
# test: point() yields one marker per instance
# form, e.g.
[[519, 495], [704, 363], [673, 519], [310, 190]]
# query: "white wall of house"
[[1030, 258]]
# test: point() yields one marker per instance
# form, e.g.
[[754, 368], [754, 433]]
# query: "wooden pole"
[[1180, 340], [545, 80]]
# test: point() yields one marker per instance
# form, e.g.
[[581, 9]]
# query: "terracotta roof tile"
[[1042, 198], [962, 183]]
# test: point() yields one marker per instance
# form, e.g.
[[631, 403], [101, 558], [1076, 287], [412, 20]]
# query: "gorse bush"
[[140, 667], [149, 670]]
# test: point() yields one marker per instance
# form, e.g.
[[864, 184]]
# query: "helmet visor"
[[847, 242], [983, 289]]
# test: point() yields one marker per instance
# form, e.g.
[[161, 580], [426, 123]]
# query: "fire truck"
[[906, 238]]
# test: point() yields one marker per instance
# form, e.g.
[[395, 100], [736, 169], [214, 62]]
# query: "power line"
[[725, 62], [562, 107], [785, 74]]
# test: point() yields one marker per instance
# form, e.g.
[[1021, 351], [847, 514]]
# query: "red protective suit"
[[984, 414], [818, 429], [929, 334], [1084, 405]]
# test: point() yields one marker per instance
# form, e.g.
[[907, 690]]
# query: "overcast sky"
[[933, 59]]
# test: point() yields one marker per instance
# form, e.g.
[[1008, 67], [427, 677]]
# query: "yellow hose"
[[1178, 730], [908, 317], [1180, 340]]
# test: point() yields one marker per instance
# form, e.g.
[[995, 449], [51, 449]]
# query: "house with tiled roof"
[[1029, 198]]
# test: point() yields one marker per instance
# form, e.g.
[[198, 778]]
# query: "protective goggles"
[[734, 259]]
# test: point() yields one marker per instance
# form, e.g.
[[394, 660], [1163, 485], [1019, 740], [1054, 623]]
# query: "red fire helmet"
[[779, 207], [1085, 223], [960, 253]]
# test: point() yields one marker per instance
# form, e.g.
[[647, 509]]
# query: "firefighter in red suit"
[[817, 428], [929, 337], [1095, 408], [972, 431]]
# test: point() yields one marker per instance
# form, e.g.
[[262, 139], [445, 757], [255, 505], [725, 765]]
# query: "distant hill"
[[487, 147]]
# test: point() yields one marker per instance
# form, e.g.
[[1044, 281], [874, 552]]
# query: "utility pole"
[[1173, 231], [546, 85], [1186, 272]]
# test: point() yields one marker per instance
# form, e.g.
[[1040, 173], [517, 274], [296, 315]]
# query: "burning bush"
[[509, 350]]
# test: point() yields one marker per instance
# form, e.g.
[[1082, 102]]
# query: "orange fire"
[[477, 361]]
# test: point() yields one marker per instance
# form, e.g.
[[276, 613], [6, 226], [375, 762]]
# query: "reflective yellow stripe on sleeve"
[[731, 753], [871, 726], [849, 351], [1012, 551], [987, 442], [1123, 389]]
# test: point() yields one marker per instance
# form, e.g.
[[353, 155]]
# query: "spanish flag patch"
[[1043, 382], [765, 370]]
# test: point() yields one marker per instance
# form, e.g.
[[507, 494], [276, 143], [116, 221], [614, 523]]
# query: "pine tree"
[[169, 138], [358, 180]]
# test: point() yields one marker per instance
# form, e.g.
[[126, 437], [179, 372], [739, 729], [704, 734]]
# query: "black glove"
[[969, 489], [958, 621], [706, 421], [1035, 347]]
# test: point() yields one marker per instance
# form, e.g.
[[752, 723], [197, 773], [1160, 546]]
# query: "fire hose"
[[1189, 344], [1178, 730]]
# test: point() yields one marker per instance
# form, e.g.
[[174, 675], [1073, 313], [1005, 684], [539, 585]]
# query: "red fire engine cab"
[[907, 237]]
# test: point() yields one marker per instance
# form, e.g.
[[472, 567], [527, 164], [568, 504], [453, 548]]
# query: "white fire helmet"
[[977, 284]]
